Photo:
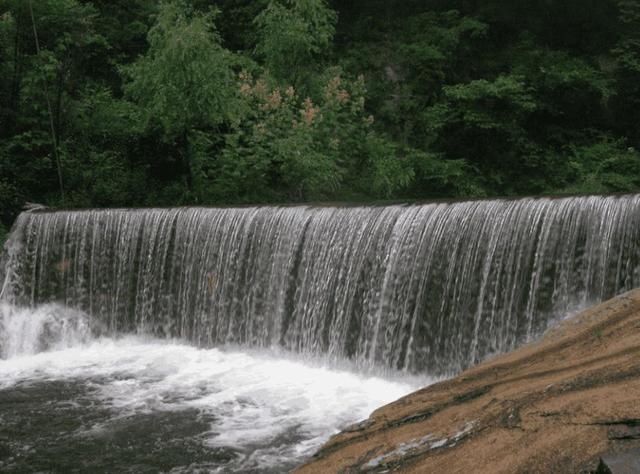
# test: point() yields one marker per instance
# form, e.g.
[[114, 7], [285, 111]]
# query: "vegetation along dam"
[[240, 339]]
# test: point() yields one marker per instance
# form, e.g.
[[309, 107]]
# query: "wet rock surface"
[[567, 403]]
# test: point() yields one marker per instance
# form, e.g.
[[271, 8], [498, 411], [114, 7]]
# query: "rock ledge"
[[557, 405]]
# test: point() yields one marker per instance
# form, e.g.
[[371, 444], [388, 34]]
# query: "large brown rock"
[[554, 406]]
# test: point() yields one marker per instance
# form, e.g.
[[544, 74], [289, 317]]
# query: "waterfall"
[[434, 287], [27, 332]]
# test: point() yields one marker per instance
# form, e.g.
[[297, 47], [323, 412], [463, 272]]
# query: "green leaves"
[[483, 104], [292, 35], [288, 147], [604, 166], [185, 79], [397, 99], [484, 122]]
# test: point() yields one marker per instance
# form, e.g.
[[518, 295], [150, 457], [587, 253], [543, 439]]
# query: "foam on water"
[[270, 408], [27, 331]]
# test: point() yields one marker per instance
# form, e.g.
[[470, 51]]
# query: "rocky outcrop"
[[561, 404]]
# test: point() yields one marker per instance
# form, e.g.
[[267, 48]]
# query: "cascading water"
[[421, 288], [427, 289], [26, 332]]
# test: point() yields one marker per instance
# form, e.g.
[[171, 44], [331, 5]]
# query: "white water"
[[428, 288], [424, 289], [26, 331], [255, 398]]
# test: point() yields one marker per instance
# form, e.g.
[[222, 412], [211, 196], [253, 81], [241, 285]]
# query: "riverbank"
[[556, 405]]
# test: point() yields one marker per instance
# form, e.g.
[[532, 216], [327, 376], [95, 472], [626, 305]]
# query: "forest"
[[121, 103]]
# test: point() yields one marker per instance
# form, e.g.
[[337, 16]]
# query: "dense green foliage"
[[134, 103]]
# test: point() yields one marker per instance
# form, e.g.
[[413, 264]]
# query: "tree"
[[293, 148], [293, 35], [407, 66], [349, 100], [484, 122], [626, 103], [184, 83], [50, 43], [604, 166]]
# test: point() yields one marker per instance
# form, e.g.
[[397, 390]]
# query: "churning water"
[[70, 402], [284, 316]]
